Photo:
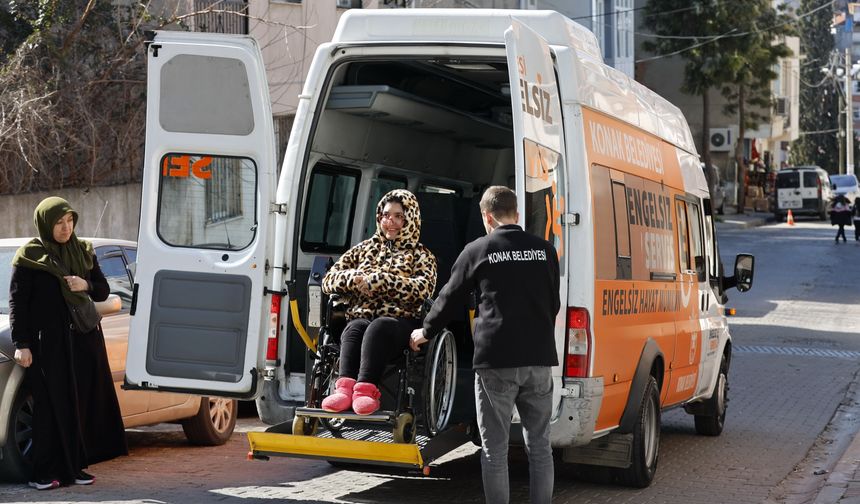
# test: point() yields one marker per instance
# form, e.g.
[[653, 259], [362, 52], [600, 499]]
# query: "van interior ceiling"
[[432, 119]]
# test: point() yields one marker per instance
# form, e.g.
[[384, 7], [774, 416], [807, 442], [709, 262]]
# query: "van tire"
[[214, 422], [646, 440], [779, 217], [712, 425], [822, 214]]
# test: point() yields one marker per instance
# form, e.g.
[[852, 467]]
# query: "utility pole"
[[849, 114]]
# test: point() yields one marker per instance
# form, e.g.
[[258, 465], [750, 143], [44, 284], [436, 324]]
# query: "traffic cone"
[[790, 219]]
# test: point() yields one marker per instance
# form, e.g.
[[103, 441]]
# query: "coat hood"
[[411, 231]]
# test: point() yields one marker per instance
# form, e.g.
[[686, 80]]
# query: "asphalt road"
[[792, 411]]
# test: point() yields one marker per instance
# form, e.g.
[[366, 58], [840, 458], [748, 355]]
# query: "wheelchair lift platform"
[[372, 443]]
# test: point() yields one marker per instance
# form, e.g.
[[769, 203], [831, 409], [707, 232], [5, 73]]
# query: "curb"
[[743, 223], [842, 475]]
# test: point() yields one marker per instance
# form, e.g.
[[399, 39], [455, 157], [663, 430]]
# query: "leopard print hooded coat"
[[401, 273]]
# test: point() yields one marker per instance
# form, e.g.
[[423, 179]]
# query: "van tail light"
[[274, 324], [578, 345], [819, 187]]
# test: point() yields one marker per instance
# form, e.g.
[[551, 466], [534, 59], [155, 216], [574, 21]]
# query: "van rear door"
[[209, 167], [788, 196], [541, 175]]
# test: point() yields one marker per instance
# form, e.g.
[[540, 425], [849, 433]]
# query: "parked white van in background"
[[444, 103], [805, 190]]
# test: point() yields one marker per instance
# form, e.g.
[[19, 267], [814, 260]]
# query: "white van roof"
[[600, 86]]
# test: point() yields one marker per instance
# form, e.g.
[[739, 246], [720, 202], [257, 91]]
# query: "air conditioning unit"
[[781, 106], [348, 4], [721, 139]]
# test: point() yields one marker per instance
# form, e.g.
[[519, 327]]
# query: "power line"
[[625, 11], [731, 33]]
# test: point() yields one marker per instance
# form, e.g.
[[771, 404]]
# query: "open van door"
[[209, 168], [539, 149]]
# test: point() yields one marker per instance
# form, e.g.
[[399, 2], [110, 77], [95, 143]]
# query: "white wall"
[[117, 207]]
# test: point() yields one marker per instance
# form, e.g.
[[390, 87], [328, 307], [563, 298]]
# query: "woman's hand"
[[417, 339], [23, 356], [361, 284], [77, 284]]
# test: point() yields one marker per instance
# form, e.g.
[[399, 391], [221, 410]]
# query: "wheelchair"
[[417, 388]]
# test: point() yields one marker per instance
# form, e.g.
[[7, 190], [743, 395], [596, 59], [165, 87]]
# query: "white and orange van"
[[444, 103]]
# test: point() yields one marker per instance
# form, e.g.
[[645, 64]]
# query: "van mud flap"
[[359, 446]]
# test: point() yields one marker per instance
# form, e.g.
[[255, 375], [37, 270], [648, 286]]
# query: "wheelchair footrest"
[[341, 450], [379, 416]]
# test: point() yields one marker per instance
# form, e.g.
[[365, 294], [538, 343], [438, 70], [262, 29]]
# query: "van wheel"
[[822, 214], [646, 440], [214, 422], [712, 425], [779, 217], [16, 457]]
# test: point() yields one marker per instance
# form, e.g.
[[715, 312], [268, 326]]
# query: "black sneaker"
[[44, 484], [84, 478]]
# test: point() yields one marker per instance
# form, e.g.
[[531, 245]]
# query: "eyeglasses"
[[397, 217]]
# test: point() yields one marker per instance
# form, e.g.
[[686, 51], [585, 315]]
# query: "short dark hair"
[[499, 201]]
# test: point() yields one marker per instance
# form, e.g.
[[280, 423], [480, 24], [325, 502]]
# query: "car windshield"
[[843, 180], [6, 255]]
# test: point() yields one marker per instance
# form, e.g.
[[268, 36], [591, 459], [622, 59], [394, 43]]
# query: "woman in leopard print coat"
[[385, 279]]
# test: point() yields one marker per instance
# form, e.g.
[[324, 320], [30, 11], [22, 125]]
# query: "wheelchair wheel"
[[304, 426], [438, 384], [404, 428], [324, 374]]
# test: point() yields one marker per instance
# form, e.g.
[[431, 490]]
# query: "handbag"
[[84, 317]]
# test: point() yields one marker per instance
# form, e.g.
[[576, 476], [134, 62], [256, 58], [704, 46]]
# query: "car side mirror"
[[111, 305], [744, 268]]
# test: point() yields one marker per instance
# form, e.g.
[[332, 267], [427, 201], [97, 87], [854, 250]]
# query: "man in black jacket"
[[517, 276]]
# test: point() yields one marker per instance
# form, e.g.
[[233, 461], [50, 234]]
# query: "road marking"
[[315, 490], [803, 351]]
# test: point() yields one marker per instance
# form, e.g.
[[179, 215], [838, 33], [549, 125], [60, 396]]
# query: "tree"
[[819, 100], [686, 28], [729, 45], [748, 71]]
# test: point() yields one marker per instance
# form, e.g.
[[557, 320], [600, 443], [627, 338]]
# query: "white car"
[[846, 185]]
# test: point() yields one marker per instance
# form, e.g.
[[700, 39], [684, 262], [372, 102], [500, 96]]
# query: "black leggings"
[[840, 232], [366, 346]]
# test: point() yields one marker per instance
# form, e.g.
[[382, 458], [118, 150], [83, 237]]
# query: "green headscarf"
[[75, 255]]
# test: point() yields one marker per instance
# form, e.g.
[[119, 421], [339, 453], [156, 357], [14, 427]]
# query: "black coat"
[[837, 218], [76, 417]]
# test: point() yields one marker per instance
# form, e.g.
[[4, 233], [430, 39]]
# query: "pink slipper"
[[341, 399], [365, 398]]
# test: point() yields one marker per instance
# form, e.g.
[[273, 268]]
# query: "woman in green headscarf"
[[76, 416]]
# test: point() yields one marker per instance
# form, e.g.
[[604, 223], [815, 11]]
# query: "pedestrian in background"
[[840, 215], [517, 275], [856, 219], [76, 416]]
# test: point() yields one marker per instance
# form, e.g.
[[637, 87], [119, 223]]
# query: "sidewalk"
[[732, 220]]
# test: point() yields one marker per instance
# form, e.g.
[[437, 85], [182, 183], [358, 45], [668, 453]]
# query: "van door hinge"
[[278, 208], [571, 219]]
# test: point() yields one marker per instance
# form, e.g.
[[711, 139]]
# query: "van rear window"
[[787, 180], [810, 179]]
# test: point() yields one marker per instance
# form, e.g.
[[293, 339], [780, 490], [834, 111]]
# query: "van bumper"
[[273, 409], [574, 420]]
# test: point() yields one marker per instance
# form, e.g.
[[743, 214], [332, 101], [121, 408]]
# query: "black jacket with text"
[[517, 276]]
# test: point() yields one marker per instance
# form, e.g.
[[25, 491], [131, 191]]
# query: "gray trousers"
[[496, 393]]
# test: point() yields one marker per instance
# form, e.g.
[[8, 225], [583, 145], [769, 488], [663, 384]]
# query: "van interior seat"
[[474, 225], [441, 231]]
